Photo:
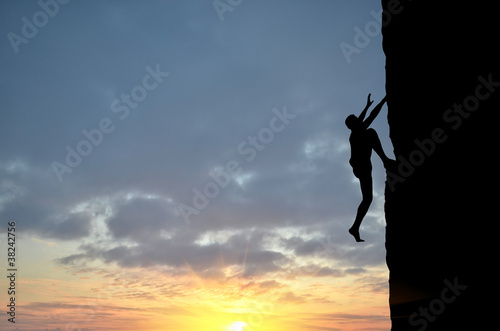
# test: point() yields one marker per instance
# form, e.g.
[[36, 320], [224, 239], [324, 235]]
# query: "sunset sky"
[[183, 165]]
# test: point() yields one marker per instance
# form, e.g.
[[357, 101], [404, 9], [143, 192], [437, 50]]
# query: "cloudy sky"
[[183, 165]]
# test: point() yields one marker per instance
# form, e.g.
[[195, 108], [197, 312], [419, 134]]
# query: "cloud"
[[326, 271], [27, 196], [290, 297], [71, 259], [74, 226], [206, 260], [355, 271], [348, 317], [141, 219], [269, 284], [369, 255], [157, 240]]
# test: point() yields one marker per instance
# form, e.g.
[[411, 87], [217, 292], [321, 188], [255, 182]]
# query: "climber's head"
[[352, 122]]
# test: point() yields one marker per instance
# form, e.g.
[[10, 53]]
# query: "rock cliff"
[[443, 90]]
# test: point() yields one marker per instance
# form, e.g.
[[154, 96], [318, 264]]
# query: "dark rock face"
[[443, 90]]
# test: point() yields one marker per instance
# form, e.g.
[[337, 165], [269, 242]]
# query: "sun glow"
[[237, 326]]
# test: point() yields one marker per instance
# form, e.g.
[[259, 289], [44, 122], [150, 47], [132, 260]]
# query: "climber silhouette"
[[363, 140]]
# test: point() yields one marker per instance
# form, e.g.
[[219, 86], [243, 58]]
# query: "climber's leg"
[[366, 183]]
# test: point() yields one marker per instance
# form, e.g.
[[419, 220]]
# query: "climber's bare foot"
[[355, 234]]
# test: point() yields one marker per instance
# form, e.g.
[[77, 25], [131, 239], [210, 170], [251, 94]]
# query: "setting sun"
[[237, 326]]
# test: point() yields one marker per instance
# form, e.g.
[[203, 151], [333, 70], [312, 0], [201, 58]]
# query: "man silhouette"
[[363, 140]]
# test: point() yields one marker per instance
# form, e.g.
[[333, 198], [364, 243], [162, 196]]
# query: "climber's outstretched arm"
[[369, 102], [374, 113]]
